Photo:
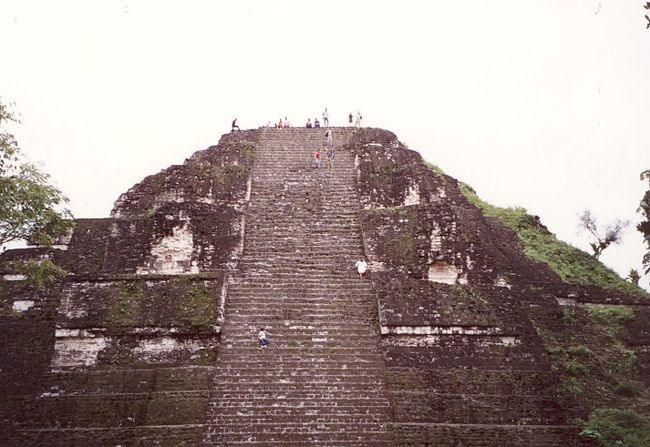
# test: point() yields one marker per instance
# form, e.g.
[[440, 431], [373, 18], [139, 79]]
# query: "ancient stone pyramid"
[[457, 339]]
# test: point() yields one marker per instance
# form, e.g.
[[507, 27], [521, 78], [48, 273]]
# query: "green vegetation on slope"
[[617, 428], [570, 263], [599, 374]]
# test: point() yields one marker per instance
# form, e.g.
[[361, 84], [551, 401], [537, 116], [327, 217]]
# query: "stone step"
[[114, 410], [326, 438], [487, 435], [134, 380], [473, 381], [238, 423], [270, 426], [280, 387], [166, 436], [305, 356], [331, 329], [288, 407], [475, 408], [325, 373]]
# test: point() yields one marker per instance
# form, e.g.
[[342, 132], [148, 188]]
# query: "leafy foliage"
[[570, 263], [39, 274], [644, 226], [617, 428], [634, 276], [30, 207]]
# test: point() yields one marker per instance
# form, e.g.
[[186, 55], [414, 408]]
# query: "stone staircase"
[[321, 380]]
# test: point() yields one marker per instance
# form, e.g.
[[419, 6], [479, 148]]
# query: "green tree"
[[31, 208], [644, 226]]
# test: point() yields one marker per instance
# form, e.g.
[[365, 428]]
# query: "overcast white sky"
[[541, 104]]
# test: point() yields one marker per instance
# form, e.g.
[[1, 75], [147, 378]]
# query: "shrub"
[[617, 428], [39, 274]]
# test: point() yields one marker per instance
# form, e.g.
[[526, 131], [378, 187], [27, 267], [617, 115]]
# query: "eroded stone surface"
[[173, 254], [22, 305], [77, 348], [443, 273]]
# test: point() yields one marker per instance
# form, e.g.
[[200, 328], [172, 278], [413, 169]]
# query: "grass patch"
[[571, 264], [617, 428]]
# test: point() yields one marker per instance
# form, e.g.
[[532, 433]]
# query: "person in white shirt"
[[362, 267], [263, 338], [357, 122], [326, 118]]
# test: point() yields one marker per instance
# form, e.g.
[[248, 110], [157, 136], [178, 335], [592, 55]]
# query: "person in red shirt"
[[317, 158]]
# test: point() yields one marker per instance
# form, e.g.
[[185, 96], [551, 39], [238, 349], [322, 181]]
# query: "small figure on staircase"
[[279, 125], [308, 125], [362, 267], [330, 157], [316, 123], [263, 338], [316, 162], [234, 125], [357, 123], [326, 118], [350, 119], [328, 135], [286, 122]]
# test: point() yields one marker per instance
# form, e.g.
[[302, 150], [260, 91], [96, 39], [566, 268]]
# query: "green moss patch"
[[197, 307], [125, 305], [571, 264], [398, 241]]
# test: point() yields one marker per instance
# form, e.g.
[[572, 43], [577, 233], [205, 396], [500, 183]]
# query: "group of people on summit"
[[285, 123], [326, 120]]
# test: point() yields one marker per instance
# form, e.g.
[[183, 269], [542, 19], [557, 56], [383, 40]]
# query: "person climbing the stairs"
[[263, 338], [362, 267], [330, 157], [328, 135], [316, 162]]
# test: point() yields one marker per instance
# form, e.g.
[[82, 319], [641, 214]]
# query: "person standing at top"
[[350, 119], [358, 121], [328, 135], [326, 118], [234, 125], [308, 125]]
